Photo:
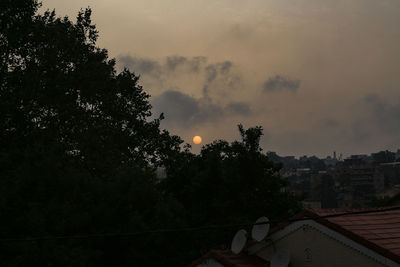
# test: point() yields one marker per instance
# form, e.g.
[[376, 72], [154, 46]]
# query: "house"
[[339, 237]]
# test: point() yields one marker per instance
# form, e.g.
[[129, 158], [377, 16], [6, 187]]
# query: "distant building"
[[330, 162], [357, 160], [391, 171], [358, 185]]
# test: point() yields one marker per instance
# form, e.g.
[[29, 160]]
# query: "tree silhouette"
[[229, 183], [77, 147], [78, 153], [58, 85]]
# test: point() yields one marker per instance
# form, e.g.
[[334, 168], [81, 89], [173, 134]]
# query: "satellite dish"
[[280, 259], [239, 241], [260, 229]]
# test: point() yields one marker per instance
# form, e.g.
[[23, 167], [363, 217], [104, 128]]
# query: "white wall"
[[310, 247]]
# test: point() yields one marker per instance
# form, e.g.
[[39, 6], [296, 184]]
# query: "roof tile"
[[378, 229]]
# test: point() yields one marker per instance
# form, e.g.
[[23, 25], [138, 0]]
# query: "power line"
[[188, 229]]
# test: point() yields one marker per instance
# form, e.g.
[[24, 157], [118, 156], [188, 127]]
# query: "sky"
[[318, 75]]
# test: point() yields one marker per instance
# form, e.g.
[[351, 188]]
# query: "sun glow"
[[197, 140]]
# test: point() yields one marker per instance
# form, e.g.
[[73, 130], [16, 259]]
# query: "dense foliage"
[[78, 154]]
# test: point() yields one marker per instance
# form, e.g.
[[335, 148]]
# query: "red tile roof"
[[381, 228], [229, 259], [377, 229]]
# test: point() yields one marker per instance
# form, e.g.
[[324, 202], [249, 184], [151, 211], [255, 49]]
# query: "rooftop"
[[379, 230]]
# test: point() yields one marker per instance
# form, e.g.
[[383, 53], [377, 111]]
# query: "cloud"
[[181, 109], [139, 65], [239, 108], [376, 103], [170, 64], [327, 123], [241, 32], [211, 73], [195, 74], [361, 130], [173, 62], [377, 123], [183, 65], [280, 83], [220, 68], [225, 66], [383, 114]]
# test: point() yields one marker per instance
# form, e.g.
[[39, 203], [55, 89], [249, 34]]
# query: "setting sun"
[[197, 139]]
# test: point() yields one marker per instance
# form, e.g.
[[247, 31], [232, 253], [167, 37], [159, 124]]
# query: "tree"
[[229, 183], [78, 152], [77, 147], [58, 85]]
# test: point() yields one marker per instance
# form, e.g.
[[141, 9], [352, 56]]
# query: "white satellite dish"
[[239, 241], [260, 229], [280, 259]]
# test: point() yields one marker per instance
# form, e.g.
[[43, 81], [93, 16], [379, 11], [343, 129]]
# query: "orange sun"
[[197, 139]]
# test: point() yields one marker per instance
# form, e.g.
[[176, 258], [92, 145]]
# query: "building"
[[341, 237], [358, 185]]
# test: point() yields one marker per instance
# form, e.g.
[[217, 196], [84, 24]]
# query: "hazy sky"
[[318, 75]]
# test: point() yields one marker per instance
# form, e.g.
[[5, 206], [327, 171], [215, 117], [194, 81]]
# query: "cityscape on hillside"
[[337, 182]]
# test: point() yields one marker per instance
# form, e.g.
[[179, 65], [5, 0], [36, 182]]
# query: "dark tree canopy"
[[229, 183], [234, 182], [78, 153], [77, 147], [58, 85]]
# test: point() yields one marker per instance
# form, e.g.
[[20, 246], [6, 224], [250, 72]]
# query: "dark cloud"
[[218, 77], [239, 108], [193, 65], [280, 83], [327, 123], [139, 65], [181, 109], [211, 73], [173, 62], [225, 67], [220, 68], [240, 32], [196, 63], [379, 122], [376, 103], [177, 105], [383, 114], [361, 130]]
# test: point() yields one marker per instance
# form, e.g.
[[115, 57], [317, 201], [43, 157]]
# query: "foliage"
[[77, 150], [78, 154], [62, 89], [230, 184]]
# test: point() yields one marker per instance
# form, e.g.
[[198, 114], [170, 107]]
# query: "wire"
[[189, 229]]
